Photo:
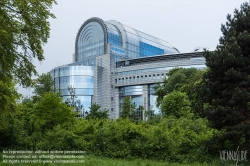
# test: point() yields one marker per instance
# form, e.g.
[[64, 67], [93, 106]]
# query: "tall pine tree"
[[226, 84]]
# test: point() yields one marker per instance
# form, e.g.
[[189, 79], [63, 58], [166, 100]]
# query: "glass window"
[[81, 78], [90, 41]]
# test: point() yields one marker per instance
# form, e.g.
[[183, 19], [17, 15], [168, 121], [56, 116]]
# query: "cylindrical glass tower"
[[80, 78]]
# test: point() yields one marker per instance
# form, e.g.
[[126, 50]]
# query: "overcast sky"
[[185, 24]]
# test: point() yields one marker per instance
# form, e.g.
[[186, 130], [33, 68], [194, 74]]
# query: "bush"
[[172, 139]]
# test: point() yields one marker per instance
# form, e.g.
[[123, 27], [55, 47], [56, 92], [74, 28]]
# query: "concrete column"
[[145, 100], [117, 108]]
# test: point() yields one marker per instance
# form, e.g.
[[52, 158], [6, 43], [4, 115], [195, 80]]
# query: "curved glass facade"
[[90, 42], [123, 41], [137, 44], [114, 35], [140, 44], [81, 78]]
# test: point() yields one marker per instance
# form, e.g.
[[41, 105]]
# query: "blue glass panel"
[[81, 78], [152, 104], [114, 39], [76, 82], [116, 58], [149, 50], [117, 50]]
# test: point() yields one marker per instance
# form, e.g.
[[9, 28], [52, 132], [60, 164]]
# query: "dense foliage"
[[23, 31], [8, 99], [96, 112], [176, 104], [49, 124], [24, 28], [177, 78], [172, 139]]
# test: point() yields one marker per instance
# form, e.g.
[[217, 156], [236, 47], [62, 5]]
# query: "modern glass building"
[[81, 78], [112, 61], [97, 37]]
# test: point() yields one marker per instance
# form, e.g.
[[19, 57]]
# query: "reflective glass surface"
[[85, 101], [82, 91], [123, 40], [114, 37], [135, 100], [81, 78], [90, 41], [76, 82], [152, 99], [56, 72], [140, 44], [117, 50], [152, 104], [56, 82], [149, 50], [131, 90], [151, 89], [136, 96]]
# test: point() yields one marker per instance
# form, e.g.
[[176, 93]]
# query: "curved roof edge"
[[101, 22], [139, 33], [121, 29]]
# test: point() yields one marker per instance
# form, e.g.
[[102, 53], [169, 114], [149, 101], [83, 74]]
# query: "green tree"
[[23, 31], [177, 78], [8, 100], [51, 111], [96, 113], [28, 136], [152, 117], [44, 83], [128, 108], [8, 108], [36, 124], [192, 91], [176, 104], [226, 85]]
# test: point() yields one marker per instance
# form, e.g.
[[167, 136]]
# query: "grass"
[[101, 161]]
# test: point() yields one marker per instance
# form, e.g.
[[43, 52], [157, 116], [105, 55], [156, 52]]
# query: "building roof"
[[165, 57]]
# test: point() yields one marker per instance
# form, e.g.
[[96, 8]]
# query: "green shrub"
[[172, 139]]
